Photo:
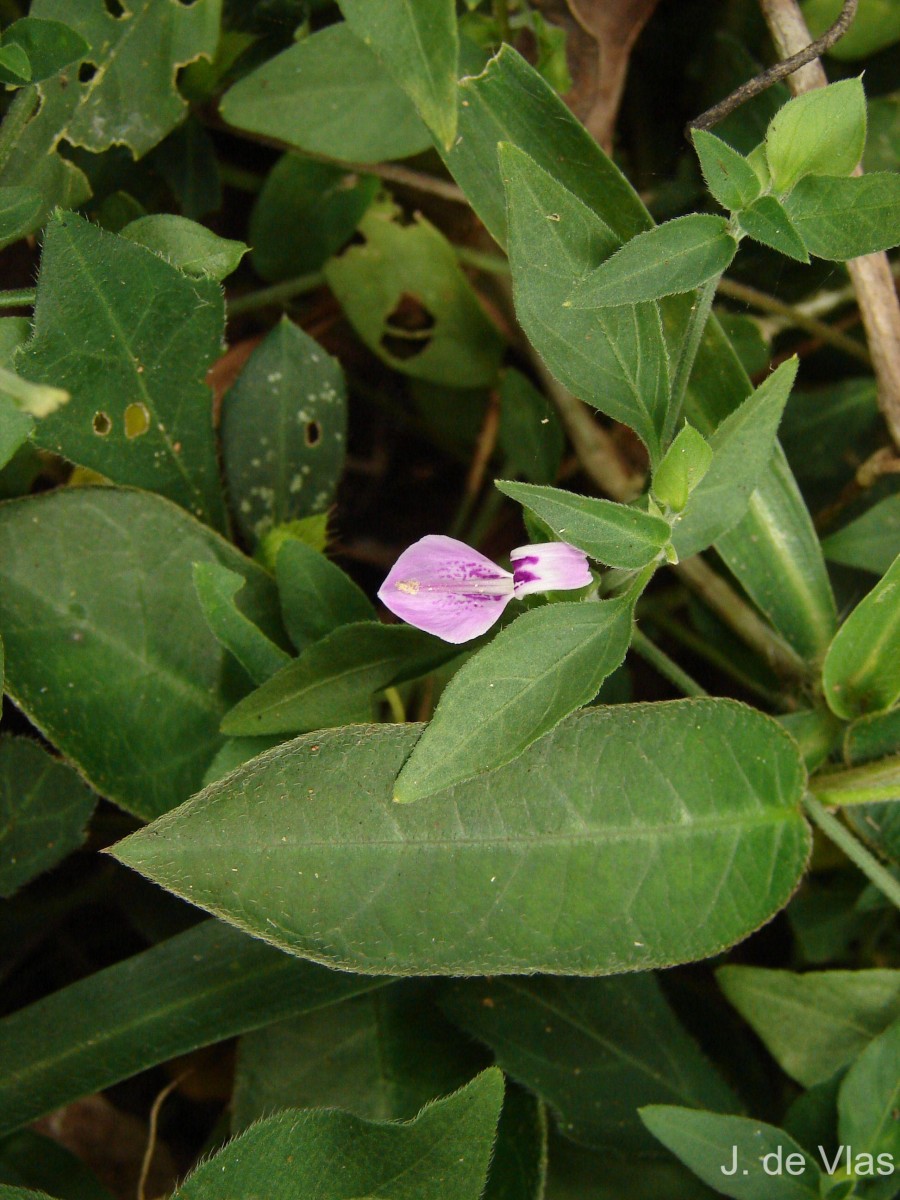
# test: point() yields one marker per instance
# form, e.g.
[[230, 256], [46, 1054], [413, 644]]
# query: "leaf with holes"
[[500, 876], [49, 45], [409, 301], [284, 426], [130, 338], [122, 93], [328, 95], [44, 808], [107, 650]]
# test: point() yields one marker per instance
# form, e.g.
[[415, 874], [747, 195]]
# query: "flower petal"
[[444, 587], [549, 567]]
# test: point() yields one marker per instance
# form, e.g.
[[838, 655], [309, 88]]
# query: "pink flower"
[[446, 588]]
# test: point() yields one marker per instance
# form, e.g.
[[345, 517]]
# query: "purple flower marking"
[[448, 589]]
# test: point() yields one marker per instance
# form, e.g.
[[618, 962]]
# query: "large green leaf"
[[876, 25], [382, 1056], [131, 338], [44, 808], [124, 93], [742, 446], [861, 673], [564, 861], [748, 1160], [418, 42], [510, 102], [326, 1154], [674, 257], [614, 359], [107, 649], [537, 670], [612, 533], [519, 1162], [328, 95], [334, 680], [407, 297], [284, 429], [813, 1024], [199, 987], [594, 1050]]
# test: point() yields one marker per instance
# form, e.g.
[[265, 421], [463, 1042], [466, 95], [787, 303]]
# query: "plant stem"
[[838, 833], [278, 293], [21, 298], [494, 263], [396, 705], [689, 346], [17, 117], [818, 329], [667, 667], [501, 16], [868, 784]]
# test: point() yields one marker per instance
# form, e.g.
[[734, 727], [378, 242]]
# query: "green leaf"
[[840, 219], [407, 297], [536, 671], [500, 876], [868, 1103], [284, 428], [40, 1162], [872, 737], [612, 533], [871, 542], [334, 679], [748, 1160], [876, 25], [616, 359], [822, 132], [685, 464], [129, 99], [766, 220], [15, 429], [48, 45], [328, 95], [131, 339], [381, 1056], [883, 138], [325, 1154], [35, 399], [816, 1023], [316, 595], [861, 673], [593, 1049], [16, 1193], [742, 447], [187, 162], [44, 808], [728, 175], [531, 436], [103, 631], [418, 43], [15, 69], [510, 102], [675, 257], [199, 987], [190, 247], [217, 589], [519, 1160], [19, 207], [305, 212]]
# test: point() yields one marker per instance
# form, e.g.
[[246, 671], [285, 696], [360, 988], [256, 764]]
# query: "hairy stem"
[[838, 833]]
